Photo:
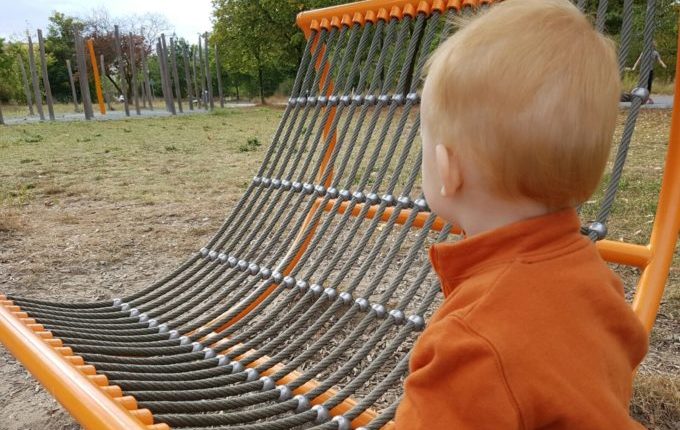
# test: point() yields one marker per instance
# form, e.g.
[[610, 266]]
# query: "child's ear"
[[449, 171]]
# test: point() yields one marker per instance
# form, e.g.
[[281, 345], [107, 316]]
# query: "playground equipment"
[[301, 310], [140, 80]]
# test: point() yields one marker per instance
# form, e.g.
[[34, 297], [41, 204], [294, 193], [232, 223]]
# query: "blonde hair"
[[529, 93]]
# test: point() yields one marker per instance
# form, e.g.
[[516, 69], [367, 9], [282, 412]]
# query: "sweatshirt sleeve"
[[456, 382]]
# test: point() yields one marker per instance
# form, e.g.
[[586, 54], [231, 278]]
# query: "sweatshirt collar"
[[455, 261]]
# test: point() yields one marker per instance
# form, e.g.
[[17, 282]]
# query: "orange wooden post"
[[97, 80]]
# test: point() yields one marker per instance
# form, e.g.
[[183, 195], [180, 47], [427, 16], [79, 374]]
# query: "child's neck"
[[491, 213]]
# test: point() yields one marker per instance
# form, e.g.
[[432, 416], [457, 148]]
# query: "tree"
[[60, 46], [11, 87], [259, 39], [145, 30]]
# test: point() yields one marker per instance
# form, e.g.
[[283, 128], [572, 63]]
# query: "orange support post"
[[97, 80], [666, 225]]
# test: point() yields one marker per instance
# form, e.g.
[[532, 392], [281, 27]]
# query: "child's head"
[[522, 101]]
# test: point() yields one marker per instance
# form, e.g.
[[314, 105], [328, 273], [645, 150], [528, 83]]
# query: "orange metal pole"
[[404, 214], [97, 80], [85, 401], [666, 224], [615, 252], [625, 253]]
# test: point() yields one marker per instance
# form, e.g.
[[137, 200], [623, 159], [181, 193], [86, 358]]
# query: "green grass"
[[659, 86], [124, 160]]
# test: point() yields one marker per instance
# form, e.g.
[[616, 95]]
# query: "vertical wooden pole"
[[2, 120], [95, 73], [218, 72], [133, 69], [208, 75], [175, 75], [27, 88], [45, 77], [187, 78], [195, 76], [201, 67], [34, 78], [145, 71], [166, 72], [82, 77], [107, 96], [121, 70], [159, 52], [73, 86]]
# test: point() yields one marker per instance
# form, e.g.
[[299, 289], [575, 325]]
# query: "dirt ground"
[[89, 214]]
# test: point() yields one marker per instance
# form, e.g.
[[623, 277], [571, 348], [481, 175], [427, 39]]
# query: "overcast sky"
[[189, 17]]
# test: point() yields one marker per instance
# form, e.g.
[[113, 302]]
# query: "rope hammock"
[[301, 310]]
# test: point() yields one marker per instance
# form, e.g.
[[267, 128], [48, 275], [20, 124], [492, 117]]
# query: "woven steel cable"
[[629, 128], [192, 260], [601, 15]]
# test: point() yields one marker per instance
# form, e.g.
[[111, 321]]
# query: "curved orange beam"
[[84, 400], [666, 226]]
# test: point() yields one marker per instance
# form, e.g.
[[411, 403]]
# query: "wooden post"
[[202, 69], [187, 78], [208, 75], [95, 73], [218, 72], [195, 76], [107, 96], [175, 75], [27, 88], [166, 73], [82, 78], [34, 77], [159, 52], [73, 86], [2, 120], [133, 69], [145, 71], [121, 70], [45, 77]]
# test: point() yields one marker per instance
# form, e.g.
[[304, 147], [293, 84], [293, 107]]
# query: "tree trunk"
[[260, 75]]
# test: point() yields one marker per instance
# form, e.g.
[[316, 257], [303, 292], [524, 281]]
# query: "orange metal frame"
[[97, 405]]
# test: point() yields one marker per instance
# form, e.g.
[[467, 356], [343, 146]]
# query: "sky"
[[188, 17]]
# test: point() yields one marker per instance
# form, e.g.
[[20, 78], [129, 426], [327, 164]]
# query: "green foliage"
[[11, 87], [251, 145], [263, 44], [60, 46]]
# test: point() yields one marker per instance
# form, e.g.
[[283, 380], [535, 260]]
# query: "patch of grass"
[[656, 401], [10, 221], [53, 190], [32, 138], [251, 144], [171, 148]]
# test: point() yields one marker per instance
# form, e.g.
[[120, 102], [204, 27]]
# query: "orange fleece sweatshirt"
[[534, 333]]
